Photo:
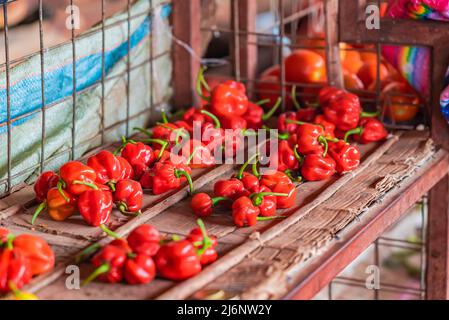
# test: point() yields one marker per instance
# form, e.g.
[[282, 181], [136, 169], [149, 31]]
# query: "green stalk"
[[245, 165], [323, 141], [358, 130], [218, 199], [39, 209], [87, 252], [207, 242], [109, 232], [365, 114], [84, 183], [104, 268], [216, 121], [270, 218], [179, 173], [270, 113], [262, 102], [144, 131], [200, 81], [295, 101], [60, 185], [258, 197], [164, 117]]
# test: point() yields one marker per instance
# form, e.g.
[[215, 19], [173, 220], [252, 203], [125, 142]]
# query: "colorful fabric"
[[420, 9]]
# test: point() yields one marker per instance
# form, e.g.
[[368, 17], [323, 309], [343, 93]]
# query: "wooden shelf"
[[293, 258]]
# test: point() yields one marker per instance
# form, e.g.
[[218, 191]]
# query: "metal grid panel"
[[9, 63]]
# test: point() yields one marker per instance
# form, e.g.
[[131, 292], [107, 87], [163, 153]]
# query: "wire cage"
[[144, 57]]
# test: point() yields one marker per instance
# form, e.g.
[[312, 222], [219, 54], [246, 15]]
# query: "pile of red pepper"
[[251, 196], [145, 252], [22, 257]]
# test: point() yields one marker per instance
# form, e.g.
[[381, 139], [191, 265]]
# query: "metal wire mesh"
[[7, 184]]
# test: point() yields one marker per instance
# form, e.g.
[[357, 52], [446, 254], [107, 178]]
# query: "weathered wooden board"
[[322, 210]]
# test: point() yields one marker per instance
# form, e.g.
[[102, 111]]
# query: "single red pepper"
[[311, 139], [95, 206], [369, 130], [44, 183], [14, 268], [144, 239], [39, 254], [128, 196], [234, 122], [58, 208], [285, 126], [212, 135], [177, 260], [202, 204], [77, 177], [127, 169], [106, 166], [327, 94], [197, 154], [139, 269], [109, 263], [265, 200], [138, 153], [166, 176], [245, 213], [272, 178], [346, 156], [232, 188], [228, 99], [315, 167], [204, 244], [343, 111], [328, 127], [285, 157], [193, 115], [285, 202]]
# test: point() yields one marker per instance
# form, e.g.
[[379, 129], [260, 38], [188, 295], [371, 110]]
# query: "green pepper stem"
[[157, 141], [144, 131], [123, 208], [84, 183], [270, 218], [104, 268], [9, 240], [60, 185], [263, 194], [216, 121], [297, 155], [190, 158], [218, 199], [254, 169], [295, 122], [295, 101], [109, 232], [289, 173], [164, 116], [207, 242], [39, 209], [245, 165], [365, 114], [270, 113], [323, 141], [87, 252], [179, 173], [262, 102], [126, 141], [358, 130], [200, 81], [175, 237], [161, 151]]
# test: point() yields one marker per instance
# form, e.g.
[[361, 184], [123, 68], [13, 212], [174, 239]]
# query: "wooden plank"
[[186, 20], [437, 258], [188, 287]]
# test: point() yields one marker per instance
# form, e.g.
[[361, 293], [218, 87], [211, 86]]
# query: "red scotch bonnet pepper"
[[128, 196]]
